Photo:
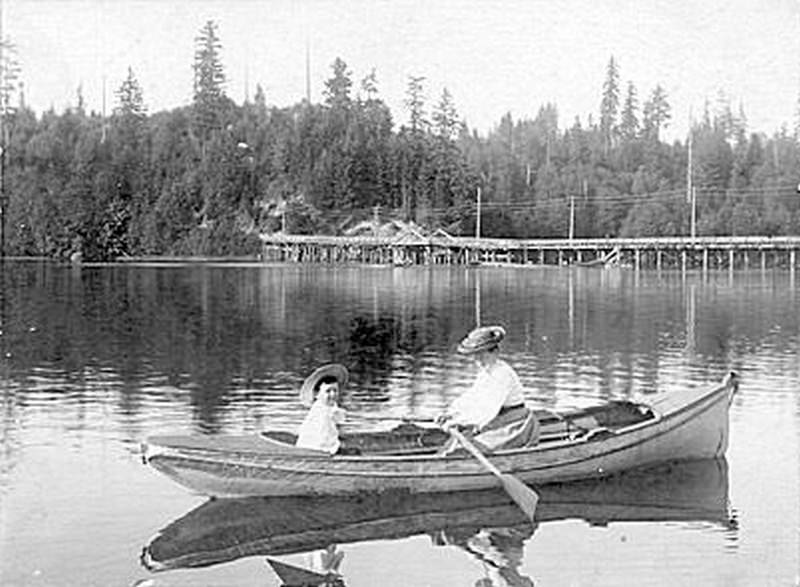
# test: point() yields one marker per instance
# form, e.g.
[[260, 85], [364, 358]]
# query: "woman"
[[493, 409]]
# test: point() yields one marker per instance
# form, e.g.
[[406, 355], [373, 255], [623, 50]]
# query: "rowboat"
[[691, 423], [223, 530]]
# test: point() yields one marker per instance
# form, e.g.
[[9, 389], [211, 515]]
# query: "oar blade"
[[525, 497]]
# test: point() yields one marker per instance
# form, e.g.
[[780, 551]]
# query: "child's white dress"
[[319, 429]]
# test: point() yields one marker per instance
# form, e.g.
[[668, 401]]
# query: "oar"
[[379, 418], [525, 497]]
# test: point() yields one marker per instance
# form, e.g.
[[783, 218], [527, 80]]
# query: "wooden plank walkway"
[[665, 252]]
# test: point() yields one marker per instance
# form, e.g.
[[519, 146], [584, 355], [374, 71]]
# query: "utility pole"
[[690, 191], [308, 73], [104, 128], [571, 215], [478, 216], [3, 148], [3, 144], [3, 199], [247, 82], [484, 179]]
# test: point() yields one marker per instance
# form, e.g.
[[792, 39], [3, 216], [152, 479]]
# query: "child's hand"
[[443, 420]]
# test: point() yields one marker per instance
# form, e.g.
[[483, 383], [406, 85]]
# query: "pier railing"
[[667, 252]]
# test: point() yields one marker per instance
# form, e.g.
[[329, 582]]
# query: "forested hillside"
[[206, 178]]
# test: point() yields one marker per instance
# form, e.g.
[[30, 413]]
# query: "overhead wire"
[[562, 200]]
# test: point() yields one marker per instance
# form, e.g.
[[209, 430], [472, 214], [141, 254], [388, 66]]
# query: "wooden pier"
[[638, 253]]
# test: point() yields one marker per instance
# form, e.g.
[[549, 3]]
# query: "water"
[[95, 359]]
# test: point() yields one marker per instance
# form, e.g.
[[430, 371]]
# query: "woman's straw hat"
[[482, 339], [309, 389]]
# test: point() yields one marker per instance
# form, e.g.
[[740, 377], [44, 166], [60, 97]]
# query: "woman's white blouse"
[[494, 387]]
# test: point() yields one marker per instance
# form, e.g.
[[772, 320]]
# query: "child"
[[319, 428]]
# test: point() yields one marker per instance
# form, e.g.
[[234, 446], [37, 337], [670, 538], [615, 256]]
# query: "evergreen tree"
[[9, 79], [609, 105], [449, 177], [369, 85], [415, 103], [629, 125], [209, 81], [130, 103], [9, 76], [445, 118], [127, 172], [657, 113], [337, 87], [723, 116], [797, 119], [413, 151]]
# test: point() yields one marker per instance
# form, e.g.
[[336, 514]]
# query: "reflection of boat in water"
[[222, 530]]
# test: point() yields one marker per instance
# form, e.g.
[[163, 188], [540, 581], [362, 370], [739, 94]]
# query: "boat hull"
[[692, 424]]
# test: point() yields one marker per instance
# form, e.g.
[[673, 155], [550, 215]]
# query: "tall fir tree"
[[337, 87], [369, 86], [412, 147], [797, 119], [9, 76], [609, 105], [9, 80], [209, 80], [629, 123], [448, 176], [130, 101], [657, 113], [415, 103], [445, 117]]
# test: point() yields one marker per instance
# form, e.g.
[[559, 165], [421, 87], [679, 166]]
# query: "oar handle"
[[396, 418], [473, 450]]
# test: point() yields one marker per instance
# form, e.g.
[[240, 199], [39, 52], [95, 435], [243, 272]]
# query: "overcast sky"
[[494, 56]]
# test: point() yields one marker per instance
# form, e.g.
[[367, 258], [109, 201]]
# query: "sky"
[[494, 57]]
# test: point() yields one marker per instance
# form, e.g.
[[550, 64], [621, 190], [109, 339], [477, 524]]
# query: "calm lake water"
[[95, 359]]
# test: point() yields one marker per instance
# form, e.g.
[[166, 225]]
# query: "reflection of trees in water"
[[206, 334], [374, 344], [219, 336], [619, 326]]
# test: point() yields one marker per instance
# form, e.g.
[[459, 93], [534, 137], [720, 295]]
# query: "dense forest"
[[207, 178]]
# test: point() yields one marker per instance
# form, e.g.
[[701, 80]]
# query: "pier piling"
[[705, 253]]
